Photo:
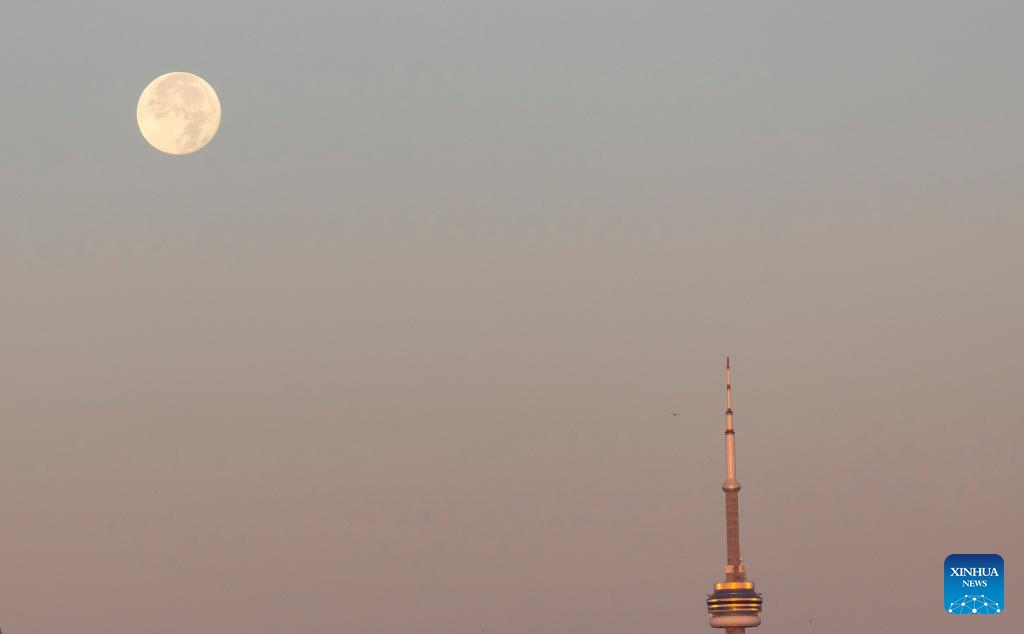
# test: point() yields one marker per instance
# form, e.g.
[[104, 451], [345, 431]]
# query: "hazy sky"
[[396, 352]]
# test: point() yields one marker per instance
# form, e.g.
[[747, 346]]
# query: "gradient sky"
[[396, 352]]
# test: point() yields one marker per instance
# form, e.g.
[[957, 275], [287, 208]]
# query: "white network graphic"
[[974, 604]]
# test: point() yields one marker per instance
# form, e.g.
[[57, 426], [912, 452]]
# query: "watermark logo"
[[974, 584]]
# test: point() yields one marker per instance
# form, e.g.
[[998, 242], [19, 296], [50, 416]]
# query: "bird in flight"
[[675, 413]]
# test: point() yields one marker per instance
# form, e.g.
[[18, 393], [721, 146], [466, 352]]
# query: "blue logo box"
[[974, 584]]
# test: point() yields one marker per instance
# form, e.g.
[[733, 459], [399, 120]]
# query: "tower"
[[734, 605]]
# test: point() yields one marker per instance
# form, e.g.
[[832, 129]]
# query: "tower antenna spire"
[[734, 570], [734, 605]]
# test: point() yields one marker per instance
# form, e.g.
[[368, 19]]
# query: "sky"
[[396, 352]]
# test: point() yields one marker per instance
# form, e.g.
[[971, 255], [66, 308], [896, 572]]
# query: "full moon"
[[178, 113]]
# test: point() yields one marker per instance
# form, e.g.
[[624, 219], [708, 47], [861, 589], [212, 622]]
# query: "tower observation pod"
[[734, 605]]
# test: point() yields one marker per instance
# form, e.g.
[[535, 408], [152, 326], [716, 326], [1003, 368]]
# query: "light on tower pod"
[[734, 605]]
